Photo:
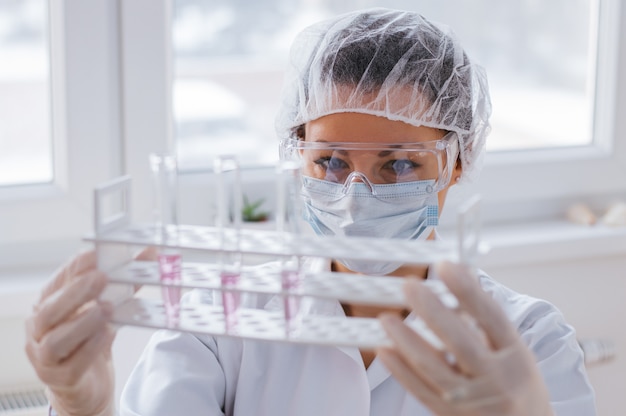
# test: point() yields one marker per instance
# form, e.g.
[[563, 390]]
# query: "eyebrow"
[[388, 152], [383, 153]]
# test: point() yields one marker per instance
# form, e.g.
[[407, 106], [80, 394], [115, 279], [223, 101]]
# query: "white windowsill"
[[510, 245], [550, 241]]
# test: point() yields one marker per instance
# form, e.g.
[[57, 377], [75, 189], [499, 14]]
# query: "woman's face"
[[366, 128]]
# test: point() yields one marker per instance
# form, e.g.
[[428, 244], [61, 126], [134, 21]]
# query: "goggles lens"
[[379, 163]]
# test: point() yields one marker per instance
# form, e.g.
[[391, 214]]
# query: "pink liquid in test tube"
[[288, 215], [291, 303], [230, 299], [228, 222], [170, 269], [164, 173]]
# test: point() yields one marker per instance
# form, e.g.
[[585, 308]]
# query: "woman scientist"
[[386, 112]]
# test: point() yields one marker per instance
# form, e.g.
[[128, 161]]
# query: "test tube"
[[164, 173], [228, 222], [288, 225]]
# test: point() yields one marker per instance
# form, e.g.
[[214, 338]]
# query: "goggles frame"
[[446, 150]]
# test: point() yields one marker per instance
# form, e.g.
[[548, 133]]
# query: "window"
[[539, 61], [60, 61], [25, 138], [553, 69]]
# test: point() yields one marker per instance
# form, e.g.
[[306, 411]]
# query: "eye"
[[331, 163], [402, 166]]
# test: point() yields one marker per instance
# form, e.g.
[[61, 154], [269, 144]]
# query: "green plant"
[[250, 211]]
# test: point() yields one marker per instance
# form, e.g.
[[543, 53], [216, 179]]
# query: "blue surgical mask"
[[406, 211]]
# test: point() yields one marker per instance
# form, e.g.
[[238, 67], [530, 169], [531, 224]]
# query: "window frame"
[[556, 177], [43, 223]]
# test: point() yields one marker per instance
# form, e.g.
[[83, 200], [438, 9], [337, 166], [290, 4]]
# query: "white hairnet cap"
[[389, 63]]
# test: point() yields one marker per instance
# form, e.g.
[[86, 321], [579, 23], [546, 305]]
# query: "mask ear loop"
[[357, 177]]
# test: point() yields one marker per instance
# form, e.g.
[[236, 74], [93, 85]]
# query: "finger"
[[487, 313], [60, 343], [428, 363], [69, 372], [63, 303], [78, 265], [471, 354], [148, 254], [55, 373], [411, 381]]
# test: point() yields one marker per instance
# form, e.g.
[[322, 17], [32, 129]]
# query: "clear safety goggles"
[[375, 163]]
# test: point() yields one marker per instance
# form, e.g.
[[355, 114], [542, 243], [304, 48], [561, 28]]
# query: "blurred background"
[[539, 57]]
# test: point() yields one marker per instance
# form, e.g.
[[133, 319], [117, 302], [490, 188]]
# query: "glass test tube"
[[164, 173], [228, 222], [288, 216], [468, 230]]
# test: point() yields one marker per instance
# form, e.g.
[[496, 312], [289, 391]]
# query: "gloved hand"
[[493, 373], [68, 339]]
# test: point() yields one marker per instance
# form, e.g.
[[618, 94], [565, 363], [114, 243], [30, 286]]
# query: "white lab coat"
[[182, 374]]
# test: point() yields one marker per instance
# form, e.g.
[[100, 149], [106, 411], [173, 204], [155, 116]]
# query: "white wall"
[[14, 367]]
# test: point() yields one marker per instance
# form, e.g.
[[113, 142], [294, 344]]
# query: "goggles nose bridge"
[[357, 177]]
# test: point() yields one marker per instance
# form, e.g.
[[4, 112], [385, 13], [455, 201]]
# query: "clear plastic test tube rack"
[[115, 235]]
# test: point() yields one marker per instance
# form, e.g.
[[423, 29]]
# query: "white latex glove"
[[494, 373], [68, 339]]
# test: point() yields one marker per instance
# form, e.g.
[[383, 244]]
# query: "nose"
[[355, 177]]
